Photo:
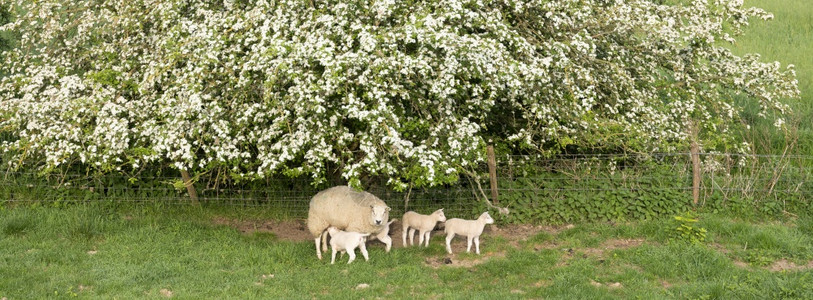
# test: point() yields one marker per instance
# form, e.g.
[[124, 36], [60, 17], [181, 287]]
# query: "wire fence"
[[563, 187]]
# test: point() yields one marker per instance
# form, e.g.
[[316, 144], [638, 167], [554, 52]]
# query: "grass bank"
[[158, 252]]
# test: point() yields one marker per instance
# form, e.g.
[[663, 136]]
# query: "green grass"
[[787, 39], [136, 252]]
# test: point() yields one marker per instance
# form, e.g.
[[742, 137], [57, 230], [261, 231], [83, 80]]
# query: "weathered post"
[[695, 153], [492, 173], [187, 181]]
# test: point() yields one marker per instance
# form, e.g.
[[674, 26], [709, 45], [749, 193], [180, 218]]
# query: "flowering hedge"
[[410, 90]]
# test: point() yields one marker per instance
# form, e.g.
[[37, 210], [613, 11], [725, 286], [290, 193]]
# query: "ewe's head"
[[486, 217], [379, 215], [441, 216]]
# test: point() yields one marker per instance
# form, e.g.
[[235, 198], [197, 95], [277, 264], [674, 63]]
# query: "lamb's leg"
[[318, 251], [352, 253], [387, 241], [412, 236], [420, 238], [427, 237], [477, 244], [449, 238], [404, 234], [363, 249], [333, 256], [468, 248]]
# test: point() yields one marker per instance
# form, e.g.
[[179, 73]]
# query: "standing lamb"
[[348, 210], [423, 223], [341, 241], [384, 236], [469, 228]]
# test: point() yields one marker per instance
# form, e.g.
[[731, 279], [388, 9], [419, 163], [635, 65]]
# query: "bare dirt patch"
[[288, 230], [166, 293], [599, 253], [452, 260], [786, 265], [740, 264], [297, 231]]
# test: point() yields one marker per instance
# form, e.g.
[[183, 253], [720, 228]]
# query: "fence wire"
[[520, 180]]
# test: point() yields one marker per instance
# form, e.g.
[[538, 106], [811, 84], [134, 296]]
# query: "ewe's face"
[[441, 215], [380, 215]]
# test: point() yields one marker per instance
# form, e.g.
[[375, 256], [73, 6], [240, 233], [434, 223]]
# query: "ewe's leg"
[[477, 244], [468, 247], [427, 237], [318, 251], [449, 238], [324, 241], [352, 253]]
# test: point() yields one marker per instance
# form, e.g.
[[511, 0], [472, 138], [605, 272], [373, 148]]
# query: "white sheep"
[[341, 241], [469, 228], [384, 236], [348, 210], [423, 223]]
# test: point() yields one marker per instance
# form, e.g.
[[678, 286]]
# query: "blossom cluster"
[[409, 90]]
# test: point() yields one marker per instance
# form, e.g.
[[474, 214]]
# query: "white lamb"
[[469, 228], [384, 236], [341, 241], [348, 210], [423, 223]]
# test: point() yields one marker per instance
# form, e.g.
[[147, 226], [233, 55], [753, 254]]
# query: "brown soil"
[[290, 230], [297, 231], [785, 265]]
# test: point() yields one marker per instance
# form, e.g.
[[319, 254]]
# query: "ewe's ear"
[[388, 209]]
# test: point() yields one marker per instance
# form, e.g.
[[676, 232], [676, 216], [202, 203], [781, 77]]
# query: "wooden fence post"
[[695, 153], [492, 173], [187, 181]]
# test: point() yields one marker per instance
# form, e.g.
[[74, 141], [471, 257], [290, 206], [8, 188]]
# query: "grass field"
[[788, 38], [174, 251], [184, 252]]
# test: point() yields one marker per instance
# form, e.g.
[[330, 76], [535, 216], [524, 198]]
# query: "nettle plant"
[[409, 90]]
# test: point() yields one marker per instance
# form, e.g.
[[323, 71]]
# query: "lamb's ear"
[[388, 209]]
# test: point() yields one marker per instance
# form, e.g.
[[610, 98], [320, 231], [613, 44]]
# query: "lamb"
[[341, 241], [423, 223], [384, 236], [469, 228], [348, 210]]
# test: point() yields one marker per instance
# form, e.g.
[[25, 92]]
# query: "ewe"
[[349, 210]]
